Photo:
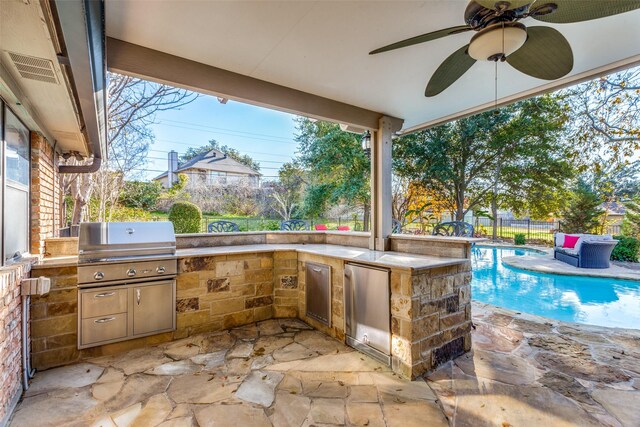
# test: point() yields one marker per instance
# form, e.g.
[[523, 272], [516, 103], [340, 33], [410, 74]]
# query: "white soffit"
[[322, 48], [31, 80]]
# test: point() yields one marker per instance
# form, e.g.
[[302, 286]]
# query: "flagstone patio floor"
[[523, 371]]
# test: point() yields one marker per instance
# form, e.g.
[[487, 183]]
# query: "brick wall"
[[10, 337], [46, 193]]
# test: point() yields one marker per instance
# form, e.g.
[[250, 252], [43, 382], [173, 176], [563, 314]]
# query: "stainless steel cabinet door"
[[154, 308], [366, 293], [318, 292]]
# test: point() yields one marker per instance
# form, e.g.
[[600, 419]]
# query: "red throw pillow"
[[570, 241], [343, 228], [320, 227]]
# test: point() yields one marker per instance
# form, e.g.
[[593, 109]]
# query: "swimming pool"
[[594, 301]]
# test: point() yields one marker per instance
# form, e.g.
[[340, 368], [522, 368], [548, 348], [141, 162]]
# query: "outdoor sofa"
[[588, 251]]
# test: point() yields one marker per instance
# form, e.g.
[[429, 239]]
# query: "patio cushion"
[[559, 239], [568, 251], [321, 227], [570, 241], [343, 228]]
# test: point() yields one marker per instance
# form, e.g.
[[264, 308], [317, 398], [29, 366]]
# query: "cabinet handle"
[[104, 294], [317, 270], [105, 320], [138, 295]]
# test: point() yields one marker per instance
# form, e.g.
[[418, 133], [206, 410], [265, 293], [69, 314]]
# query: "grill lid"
[[104, 241]]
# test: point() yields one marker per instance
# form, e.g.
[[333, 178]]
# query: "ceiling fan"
[[541, 52]]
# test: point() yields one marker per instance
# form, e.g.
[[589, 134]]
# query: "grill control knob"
[[98, 275], [131, 272], [161, 270]]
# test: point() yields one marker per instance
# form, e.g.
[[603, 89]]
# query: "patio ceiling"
[[321, 48]]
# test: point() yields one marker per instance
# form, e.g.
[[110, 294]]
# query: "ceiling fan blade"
[[423, 38], [546, 54], [580, 10], [503, 5], [449, 71]]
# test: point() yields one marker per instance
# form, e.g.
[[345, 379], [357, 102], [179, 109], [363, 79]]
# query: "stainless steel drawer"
[[103, 302], [104, 328]]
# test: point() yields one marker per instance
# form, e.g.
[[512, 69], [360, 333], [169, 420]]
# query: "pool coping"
[[478, 307], [552, 266]]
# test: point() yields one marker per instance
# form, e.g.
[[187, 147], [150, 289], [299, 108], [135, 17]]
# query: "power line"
[[261, 167], [228, 130], [243, 151], [164, 158], [228, 134]]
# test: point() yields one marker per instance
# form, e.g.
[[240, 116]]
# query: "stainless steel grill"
[[125, 251], [126, 276]]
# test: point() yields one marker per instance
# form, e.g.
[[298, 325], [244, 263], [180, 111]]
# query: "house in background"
[[615, 212], [211, 168]]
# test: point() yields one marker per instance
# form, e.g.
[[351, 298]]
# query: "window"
[[16, 192]]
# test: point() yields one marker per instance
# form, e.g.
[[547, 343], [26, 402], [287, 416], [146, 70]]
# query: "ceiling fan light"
[[497, 40]]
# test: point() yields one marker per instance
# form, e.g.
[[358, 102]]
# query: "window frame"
[[4, 107]]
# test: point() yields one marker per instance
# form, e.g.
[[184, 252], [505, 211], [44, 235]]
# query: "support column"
[[381, 167]]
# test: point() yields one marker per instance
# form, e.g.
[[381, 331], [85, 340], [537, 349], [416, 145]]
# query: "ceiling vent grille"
[[33, 68]]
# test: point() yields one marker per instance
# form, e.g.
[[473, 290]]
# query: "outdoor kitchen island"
[[229, 280]]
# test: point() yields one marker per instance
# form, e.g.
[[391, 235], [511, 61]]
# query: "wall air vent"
[[33, 68]]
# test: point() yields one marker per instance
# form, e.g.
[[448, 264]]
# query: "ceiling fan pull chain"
[[495, 104]]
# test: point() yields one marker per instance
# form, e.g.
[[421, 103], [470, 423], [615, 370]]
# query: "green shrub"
[[271, 225], [627, 249], [186, 217], [519, 239], [124, 214]]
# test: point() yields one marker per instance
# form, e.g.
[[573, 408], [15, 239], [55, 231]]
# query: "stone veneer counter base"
[[223, 287]]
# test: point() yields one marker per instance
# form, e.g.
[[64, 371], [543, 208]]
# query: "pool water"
[[594, 301]]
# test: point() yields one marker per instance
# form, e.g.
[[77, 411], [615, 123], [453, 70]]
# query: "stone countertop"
[[398, 260], [54, 262]]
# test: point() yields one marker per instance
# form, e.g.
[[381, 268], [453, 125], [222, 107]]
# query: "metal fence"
[[505, 228], [265, 224], [532, 229]]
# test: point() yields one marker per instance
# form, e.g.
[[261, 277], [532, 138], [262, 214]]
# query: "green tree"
[[245, 159], [140, 194], [631, 221], [512, 158], [582, 213], [606, 116], [287, 191], [337, 167]]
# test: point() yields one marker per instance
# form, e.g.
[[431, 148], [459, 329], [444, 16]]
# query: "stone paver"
[[259, 387], [523, 370], [73, 376]]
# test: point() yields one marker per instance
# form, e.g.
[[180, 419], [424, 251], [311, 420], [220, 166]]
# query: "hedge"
[[627, 249], [186, 217]]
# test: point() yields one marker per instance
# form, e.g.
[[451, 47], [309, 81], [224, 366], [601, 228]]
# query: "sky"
[[266, 135]]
